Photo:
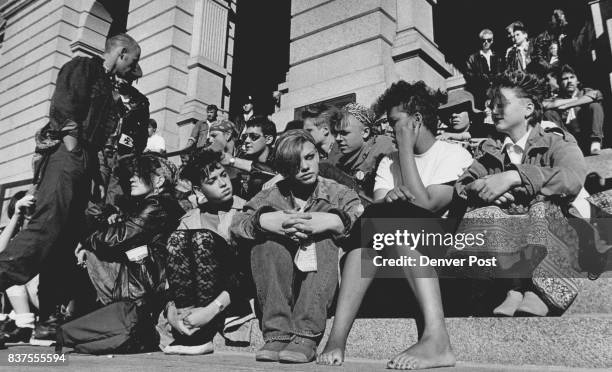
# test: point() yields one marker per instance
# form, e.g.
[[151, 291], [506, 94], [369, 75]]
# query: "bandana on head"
[[361, 113]]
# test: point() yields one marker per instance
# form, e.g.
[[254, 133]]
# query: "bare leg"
[[433, 348], [352, 290]]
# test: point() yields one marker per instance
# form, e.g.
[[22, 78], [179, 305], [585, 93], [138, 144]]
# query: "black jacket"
[[148, 223], [478, 75]]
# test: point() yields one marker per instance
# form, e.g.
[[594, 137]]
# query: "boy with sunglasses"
[[481, 67], [255, 162]]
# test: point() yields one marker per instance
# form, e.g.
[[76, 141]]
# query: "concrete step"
[[582, 337], [569, 341]]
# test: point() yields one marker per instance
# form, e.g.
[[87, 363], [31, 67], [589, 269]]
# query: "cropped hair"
[[321, 114], [10, 210], [484, 32], [200, 165], [268, 128], [412, 98], [566, 69], [524, 85], [288, 155], [152, 123], [120, 40]]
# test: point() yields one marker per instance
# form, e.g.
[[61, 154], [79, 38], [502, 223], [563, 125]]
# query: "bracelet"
[[218, 303]]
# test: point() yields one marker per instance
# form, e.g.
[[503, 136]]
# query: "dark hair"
[[200, 165], [294, 124], [288, 155], [10, 210], [212, 108], [525, 85], [147, 165], [566, 69], [519, 26], [412, 98], [152, 123], [268, 128]]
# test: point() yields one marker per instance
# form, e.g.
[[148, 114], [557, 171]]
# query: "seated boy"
[[201, 265], [295, 227], [414, 182]]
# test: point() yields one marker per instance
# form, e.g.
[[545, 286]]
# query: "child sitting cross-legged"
[[201, 266]]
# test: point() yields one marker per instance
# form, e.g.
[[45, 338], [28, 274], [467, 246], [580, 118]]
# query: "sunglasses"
[[487, 40], [251, 136]]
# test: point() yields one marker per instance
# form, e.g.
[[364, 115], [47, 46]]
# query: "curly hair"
[[524, 85], [412, 98], [200, 165]]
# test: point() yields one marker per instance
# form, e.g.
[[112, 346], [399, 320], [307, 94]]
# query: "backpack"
[[121, 327]]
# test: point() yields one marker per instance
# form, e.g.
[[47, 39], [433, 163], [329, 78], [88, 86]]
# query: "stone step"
[[569, 341], [582, 337]]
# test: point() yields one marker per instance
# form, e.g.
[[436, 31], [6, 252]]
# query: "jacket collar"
[[321, 192], [535, 141], [192, 221]]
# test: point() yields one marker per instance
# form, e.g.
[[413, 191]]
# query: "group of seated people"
[[562, 56], [269, 222]]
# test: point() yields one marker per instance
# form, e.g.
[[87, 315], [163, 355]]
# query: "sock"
[[23, 320], [595, 147]]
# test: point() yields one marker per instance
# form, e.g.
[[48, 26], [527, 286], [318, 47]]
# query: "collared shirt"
[[516, 150], [487, 56]]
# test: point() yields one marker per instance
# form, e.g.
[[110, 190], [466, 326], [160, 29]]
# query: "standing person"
[[200, 132], [481, 67], [246, 114], [556, 34], [519, 55], [156, 142], [296, 227], [80, 122]]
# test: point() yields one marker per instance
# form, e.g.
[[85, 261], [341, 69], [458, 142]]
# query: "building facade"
[[337, 47]]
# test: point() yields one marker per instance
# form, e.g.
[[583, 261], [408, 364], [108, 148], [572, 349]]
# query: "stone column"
[[341, 47], [94, 23], [207, 60]]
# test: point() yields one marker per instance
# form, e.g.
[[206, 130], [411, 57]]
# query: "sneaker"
[[20, 335], [269, 352], [299, 350], [595, 148]]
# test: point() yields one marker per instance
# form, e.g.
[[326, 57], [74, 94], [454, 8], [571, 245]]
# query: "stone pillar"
[[415, 54], [207, 60], [94, 23], [340, 47]]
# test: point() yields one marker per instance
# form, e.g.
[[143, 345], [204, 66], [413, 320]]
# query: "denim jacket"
[[328, 196], [552, 165]]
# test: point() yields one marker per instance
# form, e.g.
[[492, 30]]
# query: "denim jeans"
[[292, 302]]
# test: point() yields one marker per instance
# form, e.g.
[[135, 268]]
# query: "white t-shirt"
[[444, 162], [156, 143]]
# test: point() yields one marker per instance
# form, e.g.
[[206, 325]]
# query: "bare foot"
[[429, 352], [332, 355]]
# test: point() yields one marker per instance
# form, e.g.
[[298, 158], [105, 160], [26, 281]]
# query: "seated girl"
[[414, 182], [516, 192], [18, 326], [202, 265], [133, 240], [295, 228]]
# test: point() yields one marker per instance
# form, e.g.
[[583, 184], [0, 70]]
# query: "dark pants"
[[46, 245], [586, 127], [292, 302]]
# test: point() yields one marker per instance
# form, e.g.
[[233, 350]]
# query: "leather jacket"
[[149, 223]]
